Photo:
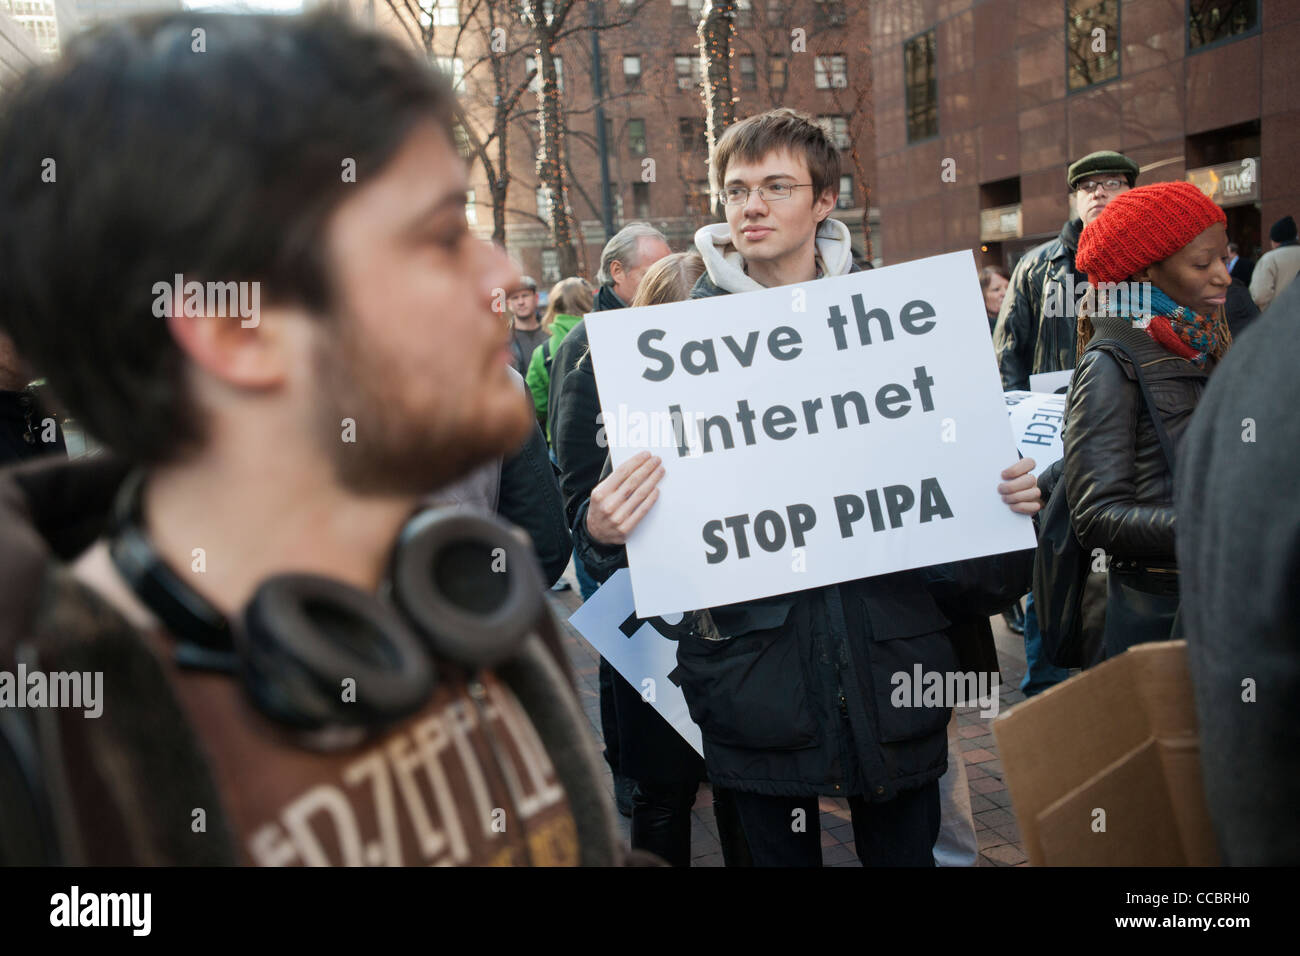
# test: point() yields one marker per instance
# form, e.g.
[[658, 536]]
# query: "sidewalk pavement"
[[995, 823]]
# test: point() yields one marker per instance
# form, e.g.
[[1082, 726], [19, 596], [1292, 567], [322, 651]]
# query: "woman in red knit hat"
[[1150, 333]]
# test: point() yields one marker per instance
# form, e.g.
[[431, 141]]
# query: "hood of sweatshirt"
[[726, 267]]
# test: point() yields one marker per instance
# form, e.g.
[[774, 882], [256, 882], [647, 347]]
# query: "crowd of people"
[[287, 566]]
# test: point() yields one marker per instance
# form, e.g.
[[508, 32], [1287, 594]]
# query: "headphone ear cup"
[[304, 635], [468, 584]]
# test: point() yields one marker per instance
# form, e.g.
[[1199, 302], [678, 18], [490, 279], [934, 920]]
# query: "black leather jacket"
[[1028, 339], [1116, 476]]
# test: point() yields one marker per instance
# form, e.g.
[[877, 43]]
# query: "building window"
[[837, 128], [688, 71], [446, 13], [454, 68], [544, 202], [641, 200], [832, 71], [692, 134], [636, 137], [748, 75], [1210, 21], [845, 198], [632, 72], [687, 12], [535, 86], [550, 266], [1091, 42], [471, 208], [922, 92], [698, 204], [831, 13], [744, 13], [548, 9], [778, 72]]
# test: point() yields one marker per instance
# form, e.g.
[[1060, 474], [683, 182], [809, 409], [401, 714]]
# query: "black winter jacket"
[[1028, 340], [795, 698], [575, 407], [797, 701], [1117, 480], [530, 497]]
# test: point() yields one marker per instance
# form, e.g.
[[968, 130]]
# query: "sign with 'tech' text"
[[810, 434]]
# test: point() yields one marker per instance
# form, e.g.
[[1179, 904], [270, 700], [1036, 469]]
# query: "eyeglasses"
[[1109, 185], [738, 195]]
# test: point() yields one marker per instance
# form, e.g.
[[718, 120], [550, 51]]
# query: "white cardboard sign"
[[1036, 421], [810, 434], [1051, 381], [636, 650]]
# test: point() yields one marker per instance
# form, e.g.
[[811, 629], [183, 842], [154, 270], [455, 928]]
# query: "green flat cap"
[[1103, 161]]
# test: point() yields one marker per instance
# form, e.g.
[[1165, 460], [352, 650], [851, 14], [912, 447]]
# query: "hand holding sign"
[[1020, 489], [620, 501]]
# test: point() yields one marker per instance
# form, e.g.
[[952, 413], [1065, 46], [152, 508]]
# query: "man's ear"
[[231, 352], [825, 203], [617, 272]]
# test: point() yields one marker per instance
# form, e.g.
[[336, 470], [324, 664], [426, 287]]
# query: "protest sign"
[[810, 434], [637, 650], [1051, 381], [1036, 421]]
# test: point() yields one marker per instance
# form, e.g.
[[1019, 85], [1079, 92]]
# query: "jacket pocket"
[[749, 691], [909, 643]]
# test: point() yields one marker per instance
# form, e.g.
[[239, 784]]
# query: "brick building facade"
[[1013, 90], [810, 54]]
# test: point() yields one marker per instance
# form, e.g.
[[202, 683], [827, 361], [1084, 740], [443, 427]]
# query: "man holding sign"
[[800, 694]]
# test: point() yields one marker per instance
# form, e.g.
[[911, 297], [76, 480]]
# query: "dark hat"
[[1104, 161], [1283, 230]]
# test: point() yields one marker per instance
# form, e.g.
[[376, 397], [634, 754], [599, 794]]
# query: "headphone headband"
[[462, 587], [203, 631]]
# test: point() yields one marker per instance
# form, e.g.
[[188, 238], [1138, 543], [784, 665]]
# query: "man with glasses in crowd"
[[1036, 328]]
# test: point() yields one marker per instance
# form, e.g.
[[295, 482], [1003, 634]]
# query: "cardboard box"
[[1105, 768]]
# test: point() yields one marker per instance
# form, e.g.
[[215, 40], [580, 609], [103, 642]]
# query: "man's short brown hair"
[[781, 129]]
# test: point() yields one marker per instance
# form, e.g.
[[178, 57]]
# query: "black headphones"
[[461, 587]]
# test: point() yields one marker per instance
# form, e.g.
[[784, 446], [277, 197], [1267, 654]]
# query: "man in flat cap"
[[1035, 331], [1045, 284]]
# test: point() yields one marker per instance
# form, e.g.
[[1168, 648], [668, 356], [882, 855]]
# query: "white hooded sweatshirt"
[[726, 266]]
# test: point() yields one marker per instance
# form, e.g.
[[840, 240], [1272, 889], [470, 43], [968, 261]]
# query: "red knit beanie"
[[1144, 226]]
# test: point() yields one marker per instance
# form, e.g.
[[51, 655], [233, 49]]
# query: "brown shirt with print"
[[464, 782]]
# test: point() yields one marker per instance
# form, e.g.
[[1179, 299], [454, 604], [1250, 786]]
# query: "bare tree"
[[717, 33], [777, 34], [552, 22], [485, 34]]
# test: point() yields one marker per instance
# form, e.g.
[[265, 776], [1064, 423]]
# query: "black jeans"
[[1141, 607], [898, 832]]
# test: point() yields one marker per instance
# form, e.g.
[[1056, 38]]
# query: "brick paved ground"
[[995, 825]]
